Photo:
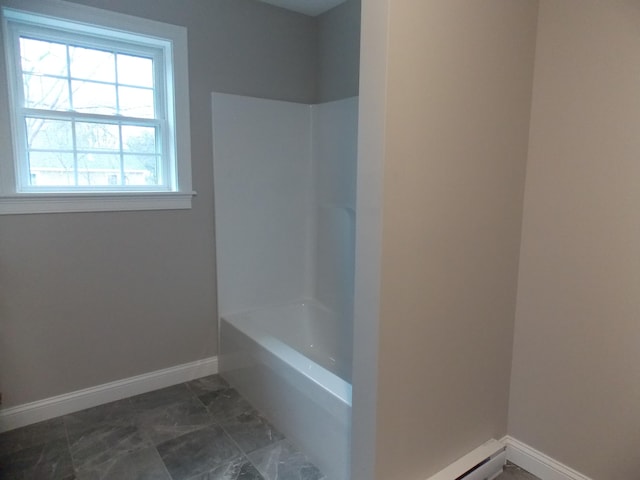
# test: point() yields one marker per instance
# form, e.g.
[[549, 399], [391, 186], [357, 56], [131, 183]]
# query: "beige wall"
[[93, 297], [575, 388], [457, 121]]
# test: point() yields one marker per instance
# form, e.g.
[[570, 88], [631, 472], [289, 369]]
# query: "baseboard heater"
[[484, 463]]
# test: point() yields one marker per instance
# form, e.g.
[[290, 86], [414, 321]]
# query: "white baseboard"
[[52, 407], [492, 450], [537, 463]]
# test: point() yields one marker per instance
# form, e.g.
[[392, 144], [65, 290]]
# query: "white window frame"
[[168, 44]]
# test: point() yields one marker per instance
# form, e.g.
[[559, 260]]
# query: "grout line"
[[255, 466], [164, 465], [66, 436], [263, 448], [242, 451], [214, 422], [193, 394]]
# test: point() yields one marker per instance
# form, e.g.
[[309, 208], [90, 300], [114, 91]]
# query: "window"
[[96, 124]]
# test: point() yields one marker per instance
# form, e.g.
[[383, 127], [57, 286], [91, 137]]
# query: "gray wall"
[[94, 297], [455, 123], [339, 52], [575, 387]]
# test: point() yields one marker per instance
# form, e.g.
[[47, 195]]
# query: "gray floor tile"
[[167, 422], [32, 435], [201, 430], [513, 472], [118, 413], [161, 398], [282, 461], [49, 461], [208, 384], [251, 431], [197, 452], [238, 469], [106, 442], [225, 404], [142, 464]]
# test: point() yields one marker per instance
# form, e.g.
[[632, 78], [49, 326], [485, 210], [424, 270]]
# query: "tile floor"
[[200, 430], [513, 472]]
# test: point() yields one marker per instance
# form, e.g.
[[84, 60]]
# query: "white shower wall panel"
[[334, 132], [262, 180], [285, 197], [335, 139]]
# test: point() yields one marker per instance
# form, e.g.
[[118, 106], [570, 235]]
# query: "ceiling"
[[308, 7]]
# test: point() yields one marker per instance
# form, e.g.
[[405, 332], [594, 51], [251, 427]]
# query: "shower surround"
[[284, 183]]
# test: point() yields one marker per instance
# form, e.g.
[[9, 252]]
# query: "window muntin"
[[90, 113]]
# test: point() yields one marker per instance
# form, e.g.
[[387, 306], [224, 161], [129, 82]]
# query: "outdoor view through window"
[[90, 115]]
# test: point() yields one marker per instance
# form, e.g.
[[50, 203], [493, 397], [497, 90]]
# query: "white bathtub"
[[293, 364]]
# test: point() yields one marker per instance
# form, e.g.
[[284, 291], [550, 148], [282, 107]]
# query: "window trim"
[[172, 40]]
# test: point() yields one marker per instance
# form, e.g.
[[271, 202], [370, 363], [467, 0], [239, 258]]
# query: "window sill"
[[17, 204]]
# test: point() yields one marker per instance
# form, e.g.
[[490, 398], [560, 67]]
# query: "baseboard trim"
[[537, 463], [28, 413]]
